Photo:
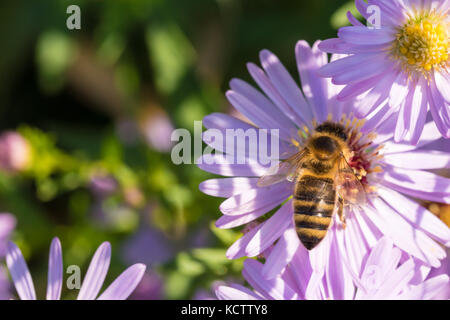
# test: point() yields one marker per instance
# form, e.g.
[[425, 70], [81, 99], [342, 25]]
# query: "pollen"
[[423, 44]]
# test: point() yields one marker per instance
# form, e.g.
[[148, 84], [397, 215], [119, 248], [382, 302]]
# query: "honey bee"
[[324, 182]]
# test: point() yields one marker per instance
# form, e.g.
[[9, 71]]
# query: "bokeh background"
[[86, 117]]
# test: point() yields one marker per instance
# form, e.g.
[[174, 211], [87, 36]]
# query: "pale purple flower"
[[15, 153], [387, 274], [392, 173], [120, 289], [400, 68], [157, 129]]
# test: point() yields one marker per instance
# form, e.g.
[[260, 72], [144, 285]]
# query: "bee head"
[[324, 147]]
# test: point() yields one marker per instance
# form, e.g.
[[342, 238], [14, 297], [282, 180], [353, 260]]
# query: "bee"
[[324, 182]]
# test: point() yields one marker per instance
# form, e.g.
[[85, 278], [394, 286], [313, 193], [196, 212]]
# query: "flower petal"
[[256, 200], [271, 289], [227, 187], [235, 293], [364, 35], [55, 271], [421, 184], [124, 284], [19, 273], [419, 216], [285, 85], [281, 254], [96, 273], [404, 235], [314, 88], [271, 230], [428, 159]]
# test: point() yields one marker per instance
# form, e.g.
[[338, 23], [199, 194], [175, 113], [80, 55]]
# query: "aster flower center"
[[362, 155], [422, 43]]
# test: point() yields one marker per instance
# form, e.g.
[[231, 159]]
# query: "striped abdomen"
[[314, 202]]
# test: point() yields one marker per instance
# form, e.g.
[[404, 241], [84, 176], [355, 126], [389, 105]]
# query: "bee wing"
[[349, 187], [285, 170]]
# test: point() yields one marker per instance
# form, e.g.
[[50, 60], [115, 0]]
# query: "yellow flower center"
[[423, 44]]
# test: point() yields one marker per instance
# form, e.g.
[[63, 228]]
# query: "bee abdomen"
[[313, 208], [312, 222], [311, 229]]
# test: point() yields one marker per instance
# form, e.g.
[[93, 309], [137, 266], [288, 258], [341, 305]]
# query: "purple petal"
[[271, 289], [339, 281], [347, 63], [98, 268], [404, 235], [314, 88], [55, 271], [417, 183], [224, 121], [219, 164], [430, 289], [268, 114], [227, 222], [430, 134], [419, 216], [285, 85], [124, 284], [440, 110], [281, 254], [442, 81], [230, 293], [271, 230], [266, 85], [301, 270], [237, 249], [227, 187], [19, 273], [355, 89], [364, 35], [376, 96], [399, 90], [397, 281], [256, 200], [372, 68], [428, 159]]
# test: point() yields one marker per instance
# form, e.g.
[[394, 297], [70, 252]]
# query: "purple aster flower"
[[392, 173], [120, 289], [400, 68], [388, 273]]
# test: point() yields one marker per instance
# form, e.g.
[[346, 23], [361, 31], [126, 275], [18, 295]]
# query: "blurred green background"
[[96, 107]]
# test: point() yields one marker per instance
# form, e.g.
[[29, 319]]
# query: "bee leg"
[[341, 211]]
